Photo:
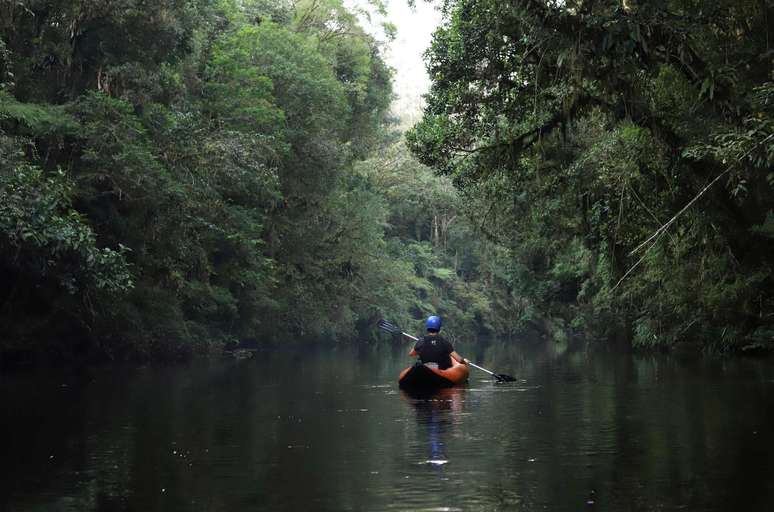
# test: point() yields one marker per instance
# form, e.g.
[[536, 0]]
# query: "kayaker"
[[434, 348]]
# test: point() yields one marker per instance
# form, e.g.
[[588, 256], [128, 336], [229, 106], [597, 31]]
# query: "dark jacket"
[[435, 349]]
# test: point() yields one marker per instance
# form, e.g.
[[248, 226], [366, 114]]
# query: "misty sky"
[[415, 28]]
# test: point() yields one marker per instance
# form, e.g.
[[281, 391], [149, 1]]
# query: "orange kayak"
[[423, 376]]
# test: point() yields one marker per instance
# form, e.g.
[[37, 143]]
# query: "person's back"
[[434, 348]]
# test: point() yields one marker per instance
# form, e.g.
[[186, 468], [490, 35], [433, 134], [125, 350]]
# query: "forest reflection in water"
[[328, 429]]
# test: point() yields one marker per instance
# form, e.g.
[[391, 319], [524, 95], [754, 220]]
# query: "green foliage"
[[223, 147], [582, 128], [450, 272], [37, 119], [206, 183], [302, 81], [43, 235]]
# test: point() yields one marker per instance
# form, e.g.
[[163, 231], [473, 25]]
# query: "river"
[[330, 431]]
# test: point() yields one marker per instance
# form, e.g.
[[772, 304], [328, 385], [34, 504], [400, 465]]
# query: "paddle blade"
[[501, 377], [387, 326]]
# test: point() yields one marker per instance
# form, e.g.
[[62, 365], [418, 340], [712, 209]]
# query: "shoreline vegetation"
[[186, 177], [622, 153]]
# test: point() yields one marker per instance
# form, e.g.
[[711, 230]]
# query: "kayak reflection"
[[437, 415]]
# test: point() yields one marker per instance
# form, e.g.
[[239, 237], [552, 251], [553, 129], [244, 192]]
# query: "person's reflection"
[[437, 414]]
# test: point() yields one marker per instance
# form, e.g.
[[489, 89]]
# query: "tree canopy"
[[589, 131], [185, 176]]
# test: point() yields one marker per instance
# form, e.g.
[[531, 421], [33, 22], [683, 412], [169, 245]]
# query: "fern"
[[40, 120]]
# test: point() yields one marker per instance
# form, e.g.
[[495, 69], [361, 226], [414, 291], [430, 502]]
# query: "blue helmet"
[[433, 323]]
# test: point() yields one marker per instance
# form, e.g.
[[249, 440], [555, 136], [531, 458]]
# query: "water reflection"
[[437, 416], [331, 431]]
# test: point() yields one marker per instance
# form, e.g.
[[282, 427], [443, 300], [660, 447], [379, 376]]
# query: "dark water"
[[331, 431]]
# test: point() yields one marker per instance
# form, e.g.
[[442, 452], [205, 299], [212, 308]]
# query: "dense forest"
[[622, 154], [184, 175], [181, 176]]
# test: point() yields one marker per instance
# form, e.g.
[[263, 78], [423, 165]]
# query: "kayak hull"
[[420, 376]]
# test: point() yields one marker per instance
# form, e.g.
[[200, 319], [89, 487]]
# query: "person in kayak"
[[434, 348]]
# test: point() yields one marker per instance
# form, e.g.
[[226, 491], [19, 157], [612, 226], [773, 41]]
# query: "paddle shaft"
[[493, 374], [409, 336]]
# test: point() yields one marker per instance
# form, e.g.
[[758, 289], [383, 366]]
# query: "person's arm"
[[453, 353], [413, 352]]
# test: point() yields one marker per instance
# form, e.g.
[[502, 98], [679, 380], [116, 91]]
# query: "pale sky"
[[415, 29]]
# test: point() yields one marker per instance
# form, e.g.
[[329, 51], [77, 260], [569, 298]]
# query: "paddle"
[[394, 329]]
